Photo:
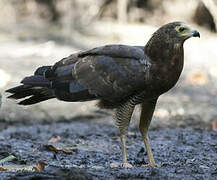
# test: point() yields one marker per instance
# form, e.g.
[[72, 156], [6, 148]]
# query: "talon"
[[127, 165]]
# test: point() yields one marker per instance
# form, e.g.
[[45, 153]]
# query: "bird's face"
[[177, 32], [184, 31]]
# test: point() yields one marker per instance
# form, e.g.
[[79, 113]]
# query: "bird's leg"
[[124, 152], [122, 120], [145, 120]]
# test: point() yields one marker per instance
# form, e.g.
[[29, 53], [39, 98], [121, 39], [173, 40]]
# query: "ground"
[[183, 133], [184, 153]]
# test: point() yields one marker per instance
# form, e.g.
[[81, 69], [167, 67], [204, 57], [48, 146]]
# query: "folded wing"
[[110, 72]]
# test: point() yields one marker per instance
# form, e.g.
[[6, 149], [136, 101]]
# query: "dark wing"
[[112, 72], [63, 69], [120, 51], [109, 72]]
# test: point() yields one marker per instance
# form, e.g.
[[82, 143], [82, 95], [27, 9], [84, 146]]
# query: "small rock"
[[203, 166]]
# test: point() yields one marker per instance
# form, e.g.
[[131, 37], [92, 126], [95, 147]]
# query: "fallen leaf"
[[39, 166], [54, 139], [3, 169], [13, 167], [9, 158], [59, 147], [35, 151]]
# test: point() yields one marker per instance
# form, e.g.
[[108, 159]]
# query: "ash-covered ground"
[[91, 150]]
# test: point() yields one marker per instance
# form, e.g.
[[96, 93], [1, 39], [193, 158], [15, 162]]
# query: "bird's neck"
[[167, 60], [163, 51]]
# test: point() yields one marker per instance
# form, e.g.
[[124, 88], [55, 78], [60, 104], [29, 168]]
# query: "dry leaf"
[[3, 169], [52, 148], [39, 166], [14, 167], [59, 147], [35, 151], [9, 158], [54, 139]]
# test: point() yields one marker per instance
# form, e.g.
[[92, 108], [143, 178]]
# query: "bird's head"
[[169, 39], [177, 32]]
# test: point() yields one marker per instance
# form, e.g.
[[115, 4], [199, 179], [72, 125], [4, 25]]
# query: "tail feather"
[[35, 99], [44, 85], [27, 92], [32, 95], [18, 89], [35, 89], [20, 95], [36, 81], [45, 71], [41, 70]]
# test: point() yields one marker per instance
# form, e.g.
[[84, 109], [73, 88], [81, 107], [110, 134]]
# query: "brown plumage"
[[119, 76]]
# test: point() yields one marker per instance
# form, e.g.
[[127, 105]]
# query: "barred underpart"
[[122, 117], [124, 113]]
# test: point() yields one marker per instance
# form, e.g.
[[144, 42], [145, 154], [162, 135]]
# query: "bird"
[[118, 76]]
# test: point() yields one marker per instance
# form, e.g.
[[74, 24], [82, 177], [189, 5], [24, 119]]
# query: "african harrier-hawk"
[[119, 76]]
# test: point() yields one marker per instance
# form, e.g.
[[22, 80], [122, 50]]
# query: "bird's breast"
[[166, 74]]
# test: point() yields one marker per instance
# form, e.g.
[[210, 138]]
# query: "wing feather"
[[121, 51], [109, 72], [110, 77]]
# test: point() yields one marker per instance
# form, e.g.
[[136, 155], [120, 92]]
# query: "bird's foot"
[[127, 165], [151, 165]]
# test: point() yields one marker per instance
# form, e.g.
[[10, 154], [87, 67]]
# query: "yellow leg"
[[149, 152], [122, 116], [124, 152], [145, 120]]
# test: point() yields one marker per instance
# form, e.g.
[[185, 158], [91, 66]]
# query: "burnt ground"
[[90, 147]]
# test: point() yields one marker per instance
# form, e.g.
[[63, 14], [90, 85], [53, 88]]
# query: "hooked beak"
[[195, 33]]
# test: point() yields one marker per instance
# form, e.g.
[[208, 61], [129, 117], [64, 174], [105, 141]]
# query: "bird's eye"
[[181, 29]]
